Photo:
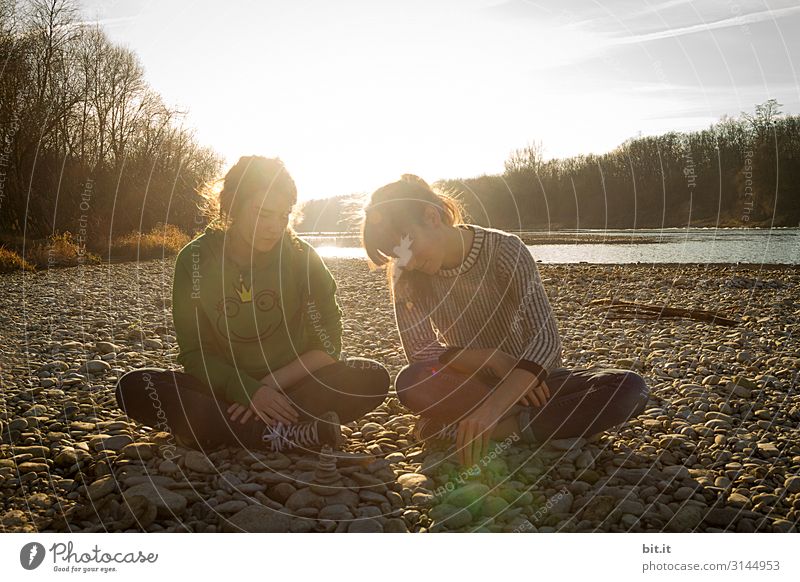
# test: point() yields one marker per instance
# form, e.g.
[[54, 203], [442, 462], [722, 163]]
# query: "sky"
[[353, 93]]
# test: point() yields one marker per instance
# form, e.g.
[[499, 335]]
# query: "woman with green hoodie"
[[259, 331]]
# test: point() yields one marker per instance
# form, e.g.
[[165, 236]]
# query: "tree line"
[[741, 171], [86, 145]]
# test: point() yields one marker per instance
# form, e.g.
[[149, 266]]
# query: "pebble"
[[718, 422], [198, 462], [168, 503], [260, 519]]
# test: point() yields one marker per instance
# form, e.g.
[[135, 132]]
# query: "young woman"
[[259, 331], [478, 331]]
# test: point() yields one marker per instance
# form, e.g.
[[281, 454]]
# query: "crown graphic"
[[245, 293]]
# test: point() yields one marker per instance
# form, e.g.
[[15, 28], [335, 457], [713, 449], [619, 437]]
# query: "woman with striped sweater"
[[478, 331]]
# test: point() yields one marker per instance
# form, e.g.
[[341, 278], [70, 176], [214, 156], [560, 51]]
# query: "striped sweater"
[[494, 299]]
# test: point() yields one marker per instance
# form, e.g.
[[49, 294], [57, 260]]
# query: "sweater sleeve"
[[417, 335], [195, 342], [324, 313], [518, 277]]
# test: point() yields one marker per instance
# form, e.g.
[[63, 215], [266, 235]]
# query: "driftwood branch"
[[619, 309]]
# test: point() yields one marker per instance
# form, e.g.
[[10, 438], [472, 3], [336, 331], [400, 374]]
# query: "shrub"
[[162, 240], [11, 261], [60, 250]]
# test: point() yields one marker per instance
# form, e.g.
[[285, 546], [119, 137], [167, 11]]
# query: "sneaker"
[[429, 429], [326, 430]]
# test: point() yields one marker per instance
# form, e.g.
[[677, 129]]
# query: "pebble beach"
[[716, 450]]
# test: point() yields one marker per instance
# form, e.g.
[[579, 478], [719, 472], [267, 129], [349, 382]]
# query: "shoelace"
[[283, 435]]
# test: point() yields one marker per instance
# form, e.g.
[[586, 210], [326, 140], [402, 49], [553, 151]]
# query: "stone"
[[683, 493], [106, 347], [415, 481], [395, 525], [371, 428], [792, 484], [198, 462], [168, 503], [94, 367], [305, 498], [365, 526], [101, 487], [143, 451], [686, 518], [280, 492], [599, 508], [136, 511], [259, 519], [470, 496], [112, 443], [327, 480], [566, 444], [232, 506], [336, 512]]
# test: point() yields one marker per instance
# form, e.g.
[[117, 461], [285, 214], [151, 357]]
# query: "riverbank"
[[716, 449]]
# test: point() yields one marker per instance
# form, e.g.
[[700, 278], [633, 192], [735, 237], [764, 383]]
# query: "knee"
[[134, 381], [633, 391], [407, 384]]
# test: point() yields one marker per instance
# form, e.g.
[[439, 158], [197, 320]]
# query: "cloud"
[[742, 20]]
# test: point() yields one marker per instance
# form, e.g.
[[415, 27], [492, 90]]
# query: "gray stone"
[[470, 495], [198, 462], [365, 526], [336, 512], [94, 367], [168, 503], [260, 519], [686, 519], [101, 487]]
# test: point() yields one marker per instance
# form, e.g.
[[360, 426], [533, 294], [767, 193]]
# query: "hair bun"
[[414, 179]]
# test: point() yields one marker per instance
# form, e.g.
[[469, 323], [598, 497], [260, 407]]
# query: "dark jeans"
[[179, 403], [583, 401]]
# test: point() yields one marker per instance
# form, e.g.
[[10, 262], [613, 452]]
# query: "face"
[[420, 247], [264, 220]]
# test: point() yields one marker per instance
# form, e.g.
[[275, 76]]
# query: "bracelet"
[[533, 368]]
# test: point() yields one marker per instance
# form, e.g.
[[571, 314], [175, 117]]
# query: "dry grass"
[[60, 250], [162, 240], [11, 261]]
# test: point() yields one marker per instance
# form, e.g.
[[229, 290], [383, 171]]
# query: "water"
[[675, 245]]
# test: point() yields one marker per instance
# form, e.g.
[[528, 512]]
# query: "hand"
[[236, 409], [272, 406], [474, 434], [536, 395], [469, 361]]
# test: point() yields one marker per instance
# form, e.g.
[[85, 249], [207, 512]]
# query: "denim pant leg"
[[585, 401]]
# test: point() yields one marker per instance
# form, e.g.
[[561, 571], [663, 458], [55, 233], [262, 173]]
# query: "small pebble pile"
[[716, 449]]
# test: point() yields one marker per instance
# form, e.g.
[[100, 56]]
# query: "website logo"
[[31, 555]]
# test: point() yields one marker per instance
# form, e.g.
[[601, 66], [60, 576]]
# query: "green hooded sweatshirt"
[[234, 326]]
